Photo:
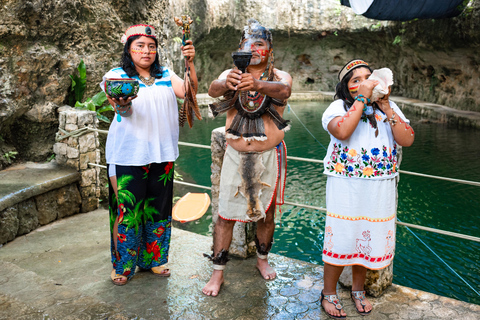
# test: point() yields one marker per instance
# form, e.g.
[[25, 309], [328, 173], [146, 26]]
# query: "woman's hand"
[[188, 50], [366, 87], [120, 101], [383, 103]]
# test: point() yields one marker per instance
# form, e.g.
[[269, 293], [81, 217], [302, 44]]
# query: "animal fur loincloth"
[[248, 183]]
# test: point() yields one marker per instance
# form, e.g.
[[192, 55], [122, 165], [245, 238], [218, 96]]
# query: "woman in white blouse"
[[361, 166], [142, 145]]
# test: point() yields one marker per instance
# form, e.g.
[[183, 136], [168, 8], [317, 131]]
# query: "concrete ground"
[[62, 271]]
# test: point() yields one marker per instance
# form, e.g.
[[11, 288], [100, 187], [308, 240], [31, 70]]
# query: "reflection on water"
[[437, 150]]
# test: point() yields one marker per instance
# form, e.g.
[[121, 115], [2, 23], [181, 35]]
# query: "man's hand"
[[248, 83], [234, 77]]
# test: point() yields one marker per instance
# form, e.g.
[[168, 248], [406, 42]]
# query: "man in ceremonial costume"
[[254, 166]]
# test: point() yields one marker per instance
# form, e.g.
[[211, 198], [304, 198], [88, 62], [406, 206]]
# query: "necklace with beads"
[[148, 81], [253, 102]]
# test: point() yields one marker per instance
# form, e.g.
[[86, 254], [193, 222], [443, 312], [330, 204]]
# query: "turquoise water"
[[438, 150]]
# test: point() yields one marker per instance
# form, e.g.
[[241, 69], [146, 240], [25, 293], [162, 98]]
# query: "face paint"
[[262, 53], [353, 89], [136, 51], [141, 51]]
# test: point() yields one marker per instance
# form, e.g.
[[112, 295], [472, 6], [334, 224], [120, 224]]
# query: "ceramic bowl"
[[121, 87]]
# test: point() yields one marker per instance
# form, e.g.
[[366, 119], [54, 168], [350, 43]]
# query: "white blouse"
[[150, 134], [362, 155]]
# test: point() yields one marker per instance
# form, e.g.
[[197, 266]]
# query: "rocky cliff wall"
[[41, 45]]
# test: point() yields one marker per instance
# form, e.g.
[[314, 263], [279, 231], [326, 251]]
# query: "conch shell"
[[385, 78]]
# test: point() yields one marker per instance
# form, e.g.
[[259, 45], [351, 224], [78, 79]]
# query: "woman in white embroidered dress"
[[361, 165], [142, 145]]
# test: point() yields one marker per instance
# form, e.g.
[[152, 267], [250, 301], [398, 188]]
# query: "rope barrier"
[[408, 225], [195, 145], [66, 134], [445, 263]]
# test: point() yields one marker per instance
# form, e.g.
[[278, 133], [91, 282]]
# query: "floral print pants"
[[144, 213]]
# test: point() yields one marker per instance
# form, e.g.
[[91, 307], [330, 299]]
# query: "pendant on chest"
[[252, 103]]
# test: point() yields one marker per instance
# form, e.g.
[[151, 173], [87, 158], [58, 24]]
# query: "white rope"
[[448, 233], [195, 145], [445, 263], [473, 183]]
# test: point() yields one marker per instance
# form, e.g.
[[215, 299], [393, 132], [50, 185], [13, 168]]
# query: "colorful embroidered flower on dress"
[[376, 163], [339, 167], [367, 171]]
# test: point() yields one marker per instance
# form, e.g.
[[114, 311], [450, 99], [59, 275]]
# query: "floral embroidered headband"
[[350, 66], [139, 30]]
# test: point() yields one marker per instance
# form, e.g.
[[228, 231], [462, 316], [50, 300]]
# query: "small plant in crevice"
[[51, 157], [8, 156]]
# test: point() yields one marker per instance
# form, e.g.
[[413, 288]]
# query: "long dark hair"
[[156, 69], [342, 92]]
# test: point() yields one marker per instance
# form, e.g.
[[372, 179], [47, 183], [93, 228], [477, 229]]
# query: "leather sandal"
[[118, 279], [333, 299], [160, 271], [360, 296]]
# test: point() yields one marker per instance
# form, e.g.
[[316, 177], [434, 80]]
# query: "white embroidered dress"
[[150, 134], [361, 197]]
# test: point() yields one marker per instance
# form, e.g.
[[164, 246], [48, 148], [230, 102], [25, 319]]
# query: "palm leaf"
[[149, 210]]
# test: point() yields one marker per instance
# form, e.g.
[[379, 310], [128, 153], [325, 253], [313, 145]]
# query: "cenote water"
[[437, 150]]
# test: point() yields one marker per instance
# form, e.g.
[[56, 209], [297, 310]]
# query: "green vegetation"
[[95, 103], [79, 84], [9, 156]]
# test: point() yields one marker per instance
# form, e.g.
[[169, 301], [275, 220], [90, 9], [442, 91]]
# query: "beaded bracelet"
[[363, 100], [123, 111]]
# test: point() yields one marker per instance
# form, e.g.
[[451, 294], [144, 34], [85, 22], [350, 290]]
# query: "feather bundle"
[[189, 108]]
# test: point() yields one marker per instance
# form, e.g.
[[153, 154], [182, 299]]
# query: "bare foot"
[[213, 286], [331, 309], [268, 273]]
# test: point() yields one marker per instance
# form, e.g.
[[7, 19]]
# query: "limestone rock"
[[8, 224], [68, 200], [27, 217], [47, 207]]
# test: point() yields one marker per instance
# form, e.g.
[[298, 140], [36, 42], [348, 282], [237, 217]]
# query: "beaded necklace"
[[253, 102]]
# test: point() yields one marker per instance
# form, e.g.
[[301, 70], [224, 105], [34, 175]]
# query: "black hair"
[[342, 92], [156, 69]]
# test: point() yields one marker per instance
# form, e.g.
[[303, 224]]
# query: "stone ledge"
[[24, 181]]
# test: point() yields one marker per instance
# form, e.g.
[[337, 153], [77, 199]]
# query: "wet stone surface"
[[62, 271]]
